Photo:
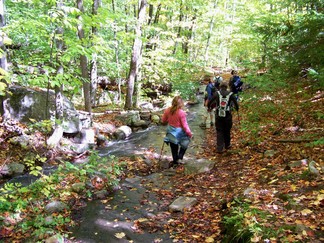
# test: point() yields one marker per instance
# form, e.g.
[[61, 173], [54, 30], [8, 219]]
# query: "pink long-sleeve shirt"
[[178, 119]]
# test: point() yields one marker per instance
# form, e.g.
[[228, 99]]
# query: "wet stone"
[[198, 166], [182, 203]]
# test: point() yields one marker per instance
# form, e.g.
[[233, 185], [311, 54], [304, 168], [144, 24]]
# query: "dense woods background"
[[67, 45]]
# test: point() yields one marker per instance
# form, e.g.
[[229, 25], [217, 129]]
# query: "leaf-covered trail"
[[270, 184]]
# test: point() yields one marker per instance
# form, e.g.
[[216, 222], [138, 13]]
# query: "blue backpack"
[[237, 83]]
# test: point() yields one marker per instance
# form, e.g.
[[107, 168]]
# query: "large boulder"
[[122, 132], [24, 104]]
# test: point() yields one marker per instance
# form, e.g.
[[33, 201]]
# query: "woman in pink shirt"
[[178, 132]]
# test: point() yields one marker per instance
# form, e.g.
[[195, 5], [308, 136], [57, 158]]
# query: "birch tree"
[[136, 55]]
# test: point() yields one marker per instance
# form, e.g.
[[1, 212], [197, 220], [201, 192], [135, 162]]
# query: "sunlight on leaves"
[[306, 211], [120, 235]]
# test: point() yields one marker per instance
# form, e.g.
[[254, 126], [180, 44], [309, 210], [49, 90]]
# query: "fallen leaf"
[[120, 235], [210, 240], [306, 211]]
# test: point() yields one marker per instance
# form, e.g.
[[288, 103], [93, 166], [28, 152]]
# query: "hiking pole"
[[161, 152]]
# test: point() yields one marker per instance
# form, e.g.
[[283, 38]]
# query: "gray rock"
[[312, 169], [102, 194], [87, 136], [24, 140], [269, 153], [182, 203], [55, 207], [25, 104], [79, 148], [78, 187], [122, 132], [141, 123], [198, 166], [55, 239], [146, 106], [128, 117], [16, 168], [5, 171]]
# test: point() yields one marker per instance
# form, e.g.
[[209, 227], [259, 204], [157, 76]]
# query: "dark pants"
[[223, 132], [176, 154]]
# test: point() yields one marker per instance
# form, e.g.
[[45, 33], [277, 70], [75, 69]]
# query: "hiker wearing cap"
[[178, 133], [223, 116]]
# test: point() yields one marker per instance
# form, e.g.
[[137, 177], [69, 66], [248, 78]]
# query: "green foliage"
[[243, 222], [32, 162], [318, 142], [266, 83], [289, 34], [14, 198], [44, 126]]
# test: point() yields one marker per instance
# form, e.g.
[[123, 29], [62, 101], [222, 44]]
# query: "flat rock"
[[182, 203]]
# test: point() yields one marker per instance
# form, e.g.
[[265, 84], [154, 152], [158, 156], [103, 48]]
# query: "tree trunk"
[[179, 30], [136, 55], [3, 59], [55, 138], [211, 27], [84, 64], [94, 69], [119, 80], [149, 44]]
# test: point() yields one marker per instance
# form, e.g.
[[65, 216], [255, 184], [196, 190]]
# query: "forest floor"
[[267, 188]]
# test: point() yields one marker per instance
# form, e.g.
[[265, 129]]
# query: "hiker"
[[235, 84], [217, 81], [178, 133], [210, 91], [223, 100]]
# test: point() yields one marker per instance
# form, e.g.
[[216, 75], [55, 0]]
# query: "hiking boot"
[[211, 124], [219, 151], [228, 147], [181, 162]]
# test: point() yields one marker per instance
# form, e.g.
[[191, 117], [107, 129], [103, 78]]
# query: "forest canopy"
[[71, 43]]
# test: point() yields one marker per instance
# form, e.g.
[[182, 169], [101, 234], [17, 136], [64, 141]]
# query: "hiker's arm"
[[165, 117], [184, 123]]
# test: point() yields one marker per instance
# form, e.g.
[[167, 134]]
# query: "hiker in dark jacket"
[[235, 84], [223, 116]]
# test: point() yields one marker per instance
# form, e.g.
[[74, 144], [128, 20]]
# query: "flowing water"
[[113, 221]]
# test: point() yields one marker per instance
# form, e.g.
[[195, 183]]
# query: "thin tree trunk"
[[94, 69], [119, 80], [189, 36], [211, 27], [179, 29], [136, 55], [150, 45], [84, 64], [55, 138], [3, 58]]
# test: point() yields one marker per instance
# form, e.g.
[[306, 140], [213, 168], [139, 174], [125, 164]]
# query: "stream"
[[112, 220]]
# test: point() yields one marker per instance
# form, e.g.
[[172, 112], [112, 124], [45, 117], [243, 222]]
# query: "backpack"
[[237, 83], [217, 82], [212, 88], [223, 104]]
